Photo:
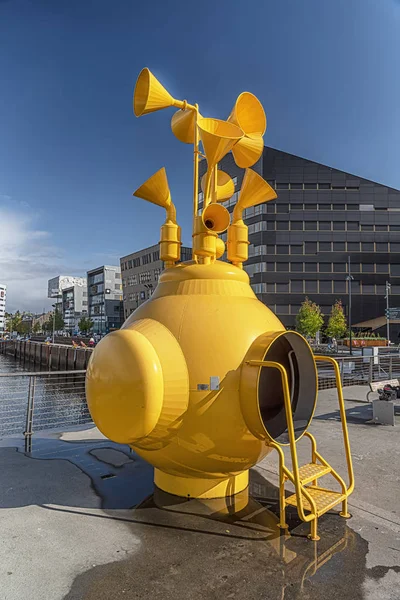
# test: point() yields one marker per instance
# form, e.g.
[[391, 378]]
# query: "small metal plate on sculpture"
[[214, 383], [201, 387]]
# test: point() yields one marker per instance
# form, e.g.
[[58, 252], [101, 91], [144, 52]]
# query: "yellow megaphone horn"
[[225, 185], [150, 95], [156, 190], [216, 218], [248, 113], [183, 123], [218, 138], [254, 190]]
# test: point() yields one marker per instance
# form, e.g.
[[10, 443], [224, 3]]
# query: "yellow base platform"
[[196, 487]]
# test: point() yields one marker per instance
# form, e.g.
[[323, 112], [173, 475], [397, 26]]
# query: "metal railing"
[[44, 400], [360, 370]]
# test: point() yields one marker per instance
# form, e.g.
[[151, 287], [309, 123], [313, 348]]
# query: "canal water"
[[58, 400]]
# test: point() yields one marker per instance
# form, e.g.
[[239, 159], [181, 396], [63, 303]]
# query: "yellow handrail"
[[292, 442], [343, 420]]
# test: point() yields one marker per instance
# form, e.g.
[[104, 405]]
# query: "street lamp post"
[[350, 278], [388, 286]]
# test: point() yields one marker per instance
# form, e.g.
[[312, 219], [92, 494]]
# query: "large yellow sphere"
[[151, 383]]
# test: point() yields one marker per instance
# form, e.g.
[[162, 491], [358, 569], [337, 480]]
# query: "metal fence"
[[360, 370], [44, 400]]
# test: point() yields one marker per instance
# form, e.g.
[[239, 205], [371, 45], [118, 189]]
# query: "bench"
[[383, 410]]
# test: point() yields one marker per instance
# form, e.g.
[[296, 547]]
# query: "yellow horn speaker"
[[225, 185], [249, 115], [150, 95], [156, 191], [216, 218], [182, 125], [254, 191]]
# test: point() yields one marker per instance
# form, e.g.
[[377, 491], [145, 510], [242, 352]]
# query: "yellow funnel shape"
[[218, 138], [248, 114], [248, 150], [216, 218], [182, 125], [149, 94], [225, 185], [156, 189], [255, 190]]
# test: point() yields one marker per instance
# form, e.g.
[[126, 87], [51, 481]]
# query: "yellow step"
[[324, 499], [312, 471]]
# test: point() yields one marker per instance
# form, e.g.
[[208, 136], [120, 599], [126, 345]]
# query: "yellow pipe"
[[342, 418], [195, 175]]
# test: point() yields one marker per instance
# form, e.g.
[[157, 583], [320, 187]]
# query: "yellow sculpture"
[[203, 380]]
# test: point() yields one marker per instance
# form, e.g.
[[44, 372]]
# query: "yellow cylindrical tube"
[[238, 242], [204, 240], [170, 244]]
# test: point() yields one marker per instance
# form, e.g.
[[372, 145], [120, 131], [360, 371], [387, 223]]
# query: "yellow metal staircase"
[[309, 496]]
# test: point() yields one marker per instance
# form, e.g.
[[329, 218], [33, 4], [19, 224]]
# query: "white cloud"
[[27, 258]]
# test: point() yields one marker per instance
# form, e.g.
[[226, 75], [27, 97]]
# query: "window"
[[382, 268], [296, 186], [367, 246], [271, 225], [136, 262], [282, 208], [296, 207], [338, 186], [366, 227], [324, 186], [339, 246], [296, 286], [325, 267], [339, 225], [142, 295], [284, 266], [270, 249], [395, 270], [353, 246], [117, 286], [394, 247], [339, 206], [270, 287], [281, 249], [282, 287], [310, 225], [381, 227], [144, 277], [271, 207], [296, 267], [310, 248], [156, 255], [366, 207], [311, 286], [296, 225], [352, 207], [339, 287], [310, 186], [122, 266], [130, 264], [271, 267], [395, 289], [325, 287], [353, 226], [368, 289], [381, 247], [310, 207], [394, 227], [146, 258], [339, 267], [294, 309], [296, 249], [368, 268], [259, 288], [325, 226], [282, 186], [282, 309], [324, 246], [282, 225], [311, 268]]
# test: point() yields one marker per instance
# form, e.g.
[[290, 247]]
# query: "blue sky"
[[72, 152]]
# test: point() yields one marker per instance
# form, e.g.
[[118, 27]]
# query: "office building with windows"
[[3, 297], [140, 272], [104, 289], [300, 243], [74, 306]]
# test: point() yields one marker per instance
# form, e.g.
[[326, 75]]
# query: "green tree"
[[309, 319], [337, 325], [24, 327], [36, 327], [54, 320], [85, 324]]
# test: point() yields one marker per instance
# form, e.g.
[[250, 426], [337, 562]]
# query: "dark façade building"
[[300, 243]]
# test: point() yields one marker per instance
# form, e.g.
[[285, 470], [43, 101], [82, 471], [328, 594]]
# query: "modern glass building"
[[300, 243]]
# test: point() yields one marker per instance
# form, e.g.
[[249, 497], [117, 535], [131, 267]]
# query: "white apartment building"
[[3, 295]]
